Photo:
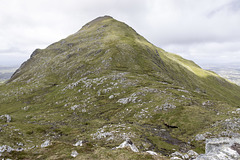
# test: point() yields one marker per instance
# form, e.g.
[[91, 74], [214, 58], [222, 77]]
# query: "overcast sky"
[[205, 31]]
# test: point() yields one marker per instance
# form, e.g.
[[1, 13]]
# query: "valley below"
[[6, 72], [227, 71]]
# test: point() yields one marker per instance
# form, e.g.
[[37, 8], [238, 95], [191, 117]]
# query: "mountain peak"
[[99, 19], [93, 41]]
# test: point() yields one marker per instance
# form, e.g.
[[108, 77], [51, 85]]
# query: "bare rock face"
[[221, 149]]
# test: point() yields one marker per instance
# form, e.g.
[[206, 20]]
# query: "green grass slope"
[[107, 83]]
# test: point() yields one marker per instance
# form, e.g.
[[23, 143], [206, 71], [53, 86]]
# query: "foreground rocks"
[[221, 149]]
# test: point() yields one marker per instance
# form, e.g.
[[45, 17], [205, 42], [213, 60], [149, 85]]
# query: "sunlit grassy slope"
[[103, 84]]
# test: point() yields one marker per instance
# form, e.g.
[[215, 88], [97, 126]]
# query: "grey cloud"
[[232, 6], [208, 53], [235, 5], [197, 30]]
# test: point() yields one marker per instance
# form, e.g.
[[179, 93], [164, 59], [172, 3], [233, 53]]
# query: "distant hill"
[[228, 71], [105, 92], [6, 73]]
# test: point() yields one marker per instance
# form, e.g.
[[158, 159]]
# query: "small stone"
[[111, 97], [74, 107], [74, 154], [46, 143], [79, 143], [20, 144], [152, 153], [25, 108]]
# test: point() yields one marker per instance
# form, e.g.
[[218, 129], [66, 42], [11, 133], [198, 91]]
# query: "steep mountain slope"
[[107, 83]]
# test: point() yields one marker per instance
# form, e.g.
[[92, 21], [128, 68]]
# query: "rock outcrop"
[[128, 143], [221, 149]]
